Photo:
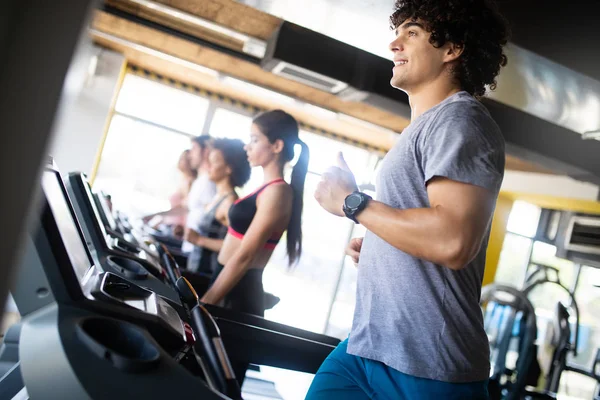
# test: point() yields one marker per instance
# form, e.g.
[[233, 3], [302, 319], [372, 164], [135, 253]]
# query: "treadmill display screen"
[[105, 209], [67, 225]]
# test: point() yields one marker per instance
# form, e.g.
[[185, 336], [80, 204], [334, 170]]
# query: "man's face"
[[416, 61], [196, 154]]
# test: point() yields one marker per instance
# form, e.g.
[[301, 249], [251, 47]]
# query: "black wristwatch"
[[354, 203]]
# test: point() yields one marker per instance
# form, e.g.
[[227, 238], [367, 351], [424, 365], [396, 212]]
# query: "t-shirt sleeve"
[[464, 145], [208, 191]]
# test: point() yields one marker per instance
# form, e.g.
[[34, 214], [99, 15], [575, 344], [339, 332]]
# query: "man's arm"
[[448, 233]]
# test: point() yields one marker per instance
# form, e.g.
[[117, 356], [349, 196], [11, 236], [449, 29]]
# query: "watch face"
[[353, 201]]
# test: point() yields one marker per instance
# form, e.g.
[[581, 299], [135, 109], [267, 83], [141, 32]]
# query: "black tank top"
[[242, 213], [212, 228]]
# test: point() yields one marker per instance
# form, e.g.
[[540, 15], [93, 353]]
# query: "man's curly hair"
[[475, 25]]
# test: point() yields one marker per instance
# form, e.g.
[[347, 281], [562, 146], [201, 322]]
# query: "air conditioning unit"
[[309, 57], [324, 63], [583, 235]]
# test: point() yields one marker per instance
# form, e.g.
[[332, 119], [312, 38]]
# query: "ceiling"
[[549, 53], [566, 32], [125, 25]]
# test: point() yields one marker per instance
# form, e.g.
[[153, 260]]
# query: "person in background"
[[228, 168], [174, 219], [203, 190], [258, 220]]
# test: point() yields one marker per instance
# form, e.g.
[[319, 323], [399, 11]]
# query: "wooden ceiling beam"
[[227, 13], [178, 24]]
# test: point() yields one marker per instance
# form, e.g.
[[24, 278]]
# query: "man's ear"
[[453, 52]]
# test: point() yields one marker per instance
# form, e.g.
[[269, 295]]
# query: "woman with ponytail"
[[258, 221]]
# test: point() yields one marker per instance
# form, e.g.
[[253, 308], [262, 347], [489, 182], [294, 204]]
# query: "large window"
[[138, 165], [152, 126], [162, 105]]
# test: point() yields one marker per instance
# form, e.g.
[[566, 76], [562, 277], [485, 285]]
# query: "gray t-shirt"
[[417, 317]]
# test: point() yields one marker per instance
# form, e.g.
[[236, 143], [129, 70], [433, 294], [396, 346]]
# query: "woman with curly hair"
[[418, 329], [228, 168]]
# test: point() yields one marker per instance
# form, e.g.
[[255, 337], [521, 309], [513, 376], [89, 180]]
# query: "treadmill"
[[97, 335], [113, 227], [111, 250], [119, 225], [90, 333], [118, 228]]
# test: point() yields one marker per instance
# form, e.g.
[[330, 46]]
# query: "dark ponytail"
[[279, 125], [294, 231]]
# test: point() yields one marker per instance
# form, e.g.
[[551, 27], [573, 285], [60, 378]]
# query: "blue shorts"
[[344, 376]]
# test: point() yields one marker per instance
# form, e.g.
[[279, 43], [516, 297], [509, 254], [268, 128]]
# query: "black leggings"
[[248, 296]]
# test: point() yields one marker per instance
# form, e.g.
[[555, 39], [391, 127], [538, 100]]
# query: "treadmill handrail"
[[272, 331], [254, 320]]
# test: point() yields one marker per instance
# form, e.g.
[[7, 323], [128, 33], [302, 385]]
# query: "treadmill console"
[[95, 284], [67, 224]]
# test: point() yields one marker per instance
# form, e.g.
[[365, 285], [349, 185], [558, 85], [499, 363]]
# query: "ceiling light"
[[155, 53], [252, 46]]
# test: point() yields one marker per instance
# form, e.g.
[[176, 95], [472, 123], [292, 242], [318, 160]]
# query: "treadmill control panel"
[[109, 287]]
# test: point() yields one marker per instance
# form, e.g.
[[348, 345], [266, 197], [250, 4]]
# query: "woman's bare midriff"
[[232, 244]]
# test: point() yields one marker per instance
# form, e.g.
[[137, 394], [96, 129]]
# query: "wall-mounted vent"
[[583, 235], [308, 77]]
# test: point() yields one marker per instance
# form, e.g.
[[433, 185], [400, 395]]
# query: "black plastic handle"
[[209, 347], [169, 264], [213, 357]]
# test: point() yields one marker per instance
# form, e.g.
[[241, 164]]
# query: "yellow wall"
[[503, 208], [557, 203]]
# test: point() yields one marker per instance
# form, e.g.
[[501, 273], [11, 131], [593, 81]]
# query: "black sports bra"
[[242, 213]]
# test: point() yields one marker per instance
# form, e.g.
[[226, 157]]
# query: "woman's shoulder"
[[281, 191]]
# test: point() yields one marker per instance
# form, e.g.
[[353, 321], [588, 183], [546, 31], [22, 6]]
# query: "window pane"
[[342, 313], [513, 260], [306, 291], [587, 296], [230, 124], [139, 165], [545, 254], [524, 219], [162, 104], [323, 154]]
